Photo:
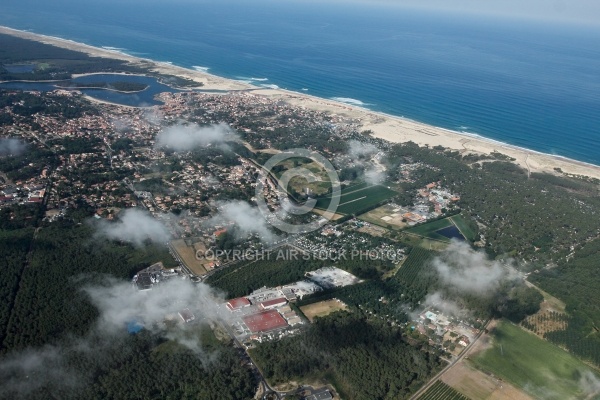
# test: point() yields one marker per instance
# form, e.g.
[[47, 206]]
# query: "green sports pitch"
[[358, 198]]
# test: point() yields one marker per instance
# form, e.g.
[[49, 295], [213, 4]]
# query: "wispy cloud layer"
[[134, 226], [187, 137]]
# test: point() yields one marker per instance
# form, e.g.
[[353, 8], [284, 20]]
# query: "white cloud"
[[11, 146], [445, 305], [120, 303], [182, 137], [248, 219], [374, 176], [134, 226], [471, 271], [358, 149], [590, 384]]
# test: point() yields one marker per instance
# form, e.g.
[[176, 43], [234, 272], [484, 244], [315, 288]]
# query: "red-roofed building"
[[274, 303], [265, 321], [236, 304], [219, 232]]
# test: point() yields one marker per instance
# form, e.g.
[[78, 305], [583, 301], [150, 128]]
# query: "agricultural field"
[[187, 255], [322, 308], [475, 384], [432, 230], [413, 265], [425, 243], [464, 227], [551, 317], [441, 391], [335, 217], [356, 198], [387, 216], [546, 321], [538, 367]]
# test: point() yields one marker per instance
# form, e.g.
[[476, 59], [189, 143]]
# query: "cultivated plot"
[[322, 308], [533, 364], [442, 229], [475, 384], [187, 255], [358, 198], [440, 391], [388, 216]]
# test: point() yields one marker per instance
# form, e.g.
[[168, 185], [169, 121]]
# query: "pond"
[[451, 232], [136, 99], [19, 68]]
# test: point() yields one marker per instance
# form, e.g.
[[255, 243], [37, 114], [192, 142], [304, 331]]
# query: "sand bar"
[[391, 128]]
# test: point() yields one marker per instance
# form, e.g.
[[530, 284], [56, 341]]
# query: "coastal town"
[[408, 246]]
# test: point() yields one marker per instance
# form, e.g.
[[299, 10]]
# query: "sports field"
[[356, 198], [322, 308], [538, 367]]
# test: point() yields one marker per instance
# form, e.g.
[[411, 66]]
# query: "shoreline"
[[392, 128], [101, 88]]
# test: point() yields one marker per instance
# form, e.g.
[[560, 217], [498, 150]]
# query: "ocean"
[[529, 84]]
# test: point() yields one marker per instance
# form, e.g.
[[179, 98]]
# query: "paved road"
[[424, 388], [257, 372]]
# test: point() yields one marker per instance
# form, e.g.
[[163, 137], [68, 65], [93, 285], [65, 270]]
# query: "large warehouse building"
[[237, 304], [264, 321]]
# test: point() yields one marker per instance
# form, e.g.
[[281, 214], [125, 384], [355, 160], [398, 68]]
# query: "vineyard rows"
[[413, 265], [441, 391]]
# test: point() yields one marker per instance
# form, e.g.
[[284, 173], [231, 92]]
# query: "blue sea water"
[[530, 84]]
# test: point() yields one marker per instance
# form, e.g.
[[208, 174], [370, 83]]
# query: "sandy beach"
[[393, 129]]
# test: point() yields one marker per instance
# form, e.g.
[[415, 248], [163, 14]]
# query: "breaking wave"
[[351, 101]]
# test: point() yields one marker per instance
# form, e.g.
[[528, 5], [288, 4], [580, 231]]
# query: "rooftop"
[[273, 302], [265, 321], [235, 304]]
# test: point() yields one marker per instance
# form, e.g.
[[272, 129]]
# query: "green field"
[[441, 391], [532, 364], [413, 265], [464, 227], [316, 178], [430, 229], [357, 198]]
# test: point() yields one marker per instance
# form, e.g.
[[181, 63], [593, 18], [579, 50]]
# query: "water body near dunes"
[[529, 84], [145, 97]]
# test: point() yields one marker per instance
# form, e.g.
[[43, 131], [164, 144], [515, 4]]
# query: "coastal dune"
[[208, 81], [383, 126], [400, 130]]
